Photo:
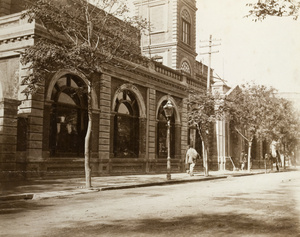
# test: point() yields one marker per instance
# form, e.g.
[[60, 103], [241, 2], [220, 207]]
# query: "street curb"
[[36, 196], [46, 195], [12, 197], [246, 174], [54, 194], [160, 183]]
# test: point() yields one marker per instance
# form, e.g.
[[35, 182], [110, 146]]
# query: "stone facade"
[[28, 123], [43, 134]]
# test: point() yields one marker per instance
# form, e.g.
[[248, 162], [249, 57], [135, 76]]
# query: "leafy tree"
[[280, 8], [250, 110], [204, 110], [83, 38], [283, 126]]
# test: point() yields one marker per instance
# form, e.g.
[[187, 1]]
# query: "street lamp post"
[[168, 108]]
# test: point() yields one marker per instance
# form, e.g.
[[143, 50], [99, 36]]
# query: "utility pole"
[[210, 45]]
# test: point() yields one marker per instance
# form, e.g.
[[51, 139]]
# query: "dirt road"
[[259, 205]]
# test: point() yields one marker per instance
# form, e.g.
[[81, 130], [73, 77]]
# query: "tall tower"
[[171, 35]]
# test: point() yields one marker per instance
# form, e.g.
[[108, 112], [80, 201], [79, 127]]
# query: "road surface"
[[257, 205]]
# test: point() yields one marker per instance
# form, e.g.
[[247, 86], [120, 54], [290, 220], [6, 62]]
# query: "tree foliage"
[[251, 109], [280, 8], [81, 37], [247, 110], [257, 111], [284, 126], [204, 110]]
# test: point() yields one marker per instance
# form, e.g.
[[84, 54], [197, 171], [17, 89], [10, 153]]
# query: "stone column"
[[142, 137], [221, 144], [46, 128], [152, 124], [35, 127], [105, 124], [151, 131], [184, 131], [8, 138], [178, 154]]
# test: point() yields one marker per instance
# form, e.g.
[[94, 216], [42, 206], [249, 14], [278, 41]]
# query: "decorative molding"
[[136, 92]]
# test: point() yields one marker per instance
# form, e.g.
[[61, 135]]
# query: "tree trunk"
[[249, 148], [204, 151], [205, 159], [87, 150], [249, 154], [284, 155]]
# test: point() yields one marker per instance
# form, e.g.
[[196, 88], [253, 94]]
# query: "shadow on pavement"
[[194, 225], [18, 207]]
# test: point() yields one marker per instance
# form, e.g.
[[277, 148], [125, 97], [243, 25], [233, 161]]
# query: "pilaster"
[[178, 154], [184, 127], [8, 137], [105, 122], [143, 136], [33, 108], [152, 124]]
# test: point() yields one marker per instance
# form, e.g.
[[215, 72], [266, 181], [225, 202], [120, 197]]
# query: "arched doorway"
[[126, 125], [68, 117]]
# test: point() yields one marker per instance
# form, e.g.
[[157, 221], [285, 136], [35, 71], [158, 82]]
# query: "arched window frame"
[[126, 125], [68, 117], [185, 66]]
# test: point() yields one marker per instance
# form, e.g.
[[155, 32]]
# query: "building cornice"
[[21, 34], [153, 76]]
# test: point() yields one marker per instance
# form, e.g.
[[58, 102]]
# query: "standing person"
[[266, 160], [246, 161], [191, 158], [277, 160], [187, 165], [275, 153], [242, 162]]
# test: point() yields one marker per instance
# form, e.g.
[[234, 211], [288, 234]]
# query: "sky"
[[266, 52]]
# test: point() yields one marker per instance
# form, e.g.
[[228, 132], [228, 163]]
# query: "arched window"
[[126, 125], [186, 67], [68, 119], [162, 148], [186, 27]]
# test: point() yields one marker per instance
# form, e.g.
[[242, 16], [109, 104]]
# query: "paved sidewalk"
[[47, 188]]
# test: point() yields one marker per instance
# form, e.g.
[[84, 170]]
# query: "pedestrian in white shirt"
[[191, 158]]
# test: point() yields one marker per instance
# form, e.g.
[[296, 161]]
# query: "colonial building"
[[44, 134], [171, 36]]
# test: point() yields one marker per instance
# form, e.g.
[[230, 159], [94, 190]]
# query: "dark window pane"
[[186, 32], [126, 126], [68, 123]]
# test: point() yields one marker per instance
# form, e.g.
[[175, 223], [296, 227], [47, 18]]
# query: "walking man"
[[266, 161], [242, 162], [275, 153], [191, 158]]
